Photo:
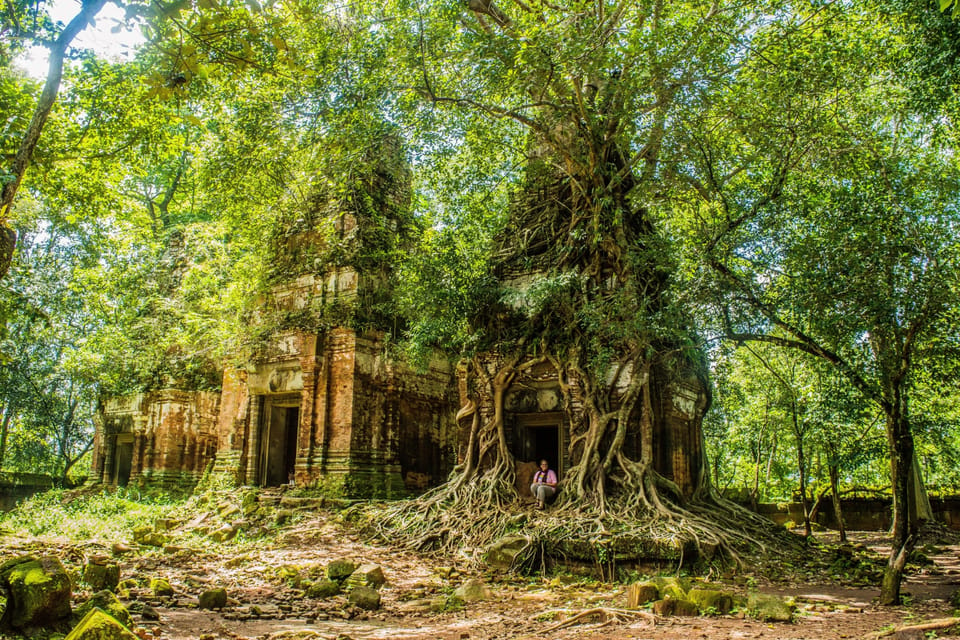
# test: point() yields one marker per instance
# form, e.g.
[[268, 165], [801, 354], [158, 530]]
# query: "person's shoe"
[[540, 505]]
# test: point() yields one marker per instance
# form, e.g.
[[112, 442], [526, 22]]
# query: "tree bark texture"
[[51, 87]]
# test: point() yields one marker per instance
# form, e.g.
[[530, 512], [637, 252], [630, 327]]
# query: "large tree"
[[580, 280], [839, 239]]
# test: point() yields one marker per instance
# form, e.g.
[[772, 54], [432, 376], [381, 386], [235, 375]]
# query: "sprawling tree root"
[[605, 614], [464, 519], [610, 509]]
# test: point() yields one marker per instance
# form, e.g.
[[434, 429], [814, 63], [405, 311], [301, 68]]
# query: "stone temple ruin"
[[320, 400]]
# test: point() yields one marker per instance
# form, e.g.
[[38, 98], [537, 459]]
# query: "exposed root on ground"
[[915, 630], [466, 518], [606, 616]]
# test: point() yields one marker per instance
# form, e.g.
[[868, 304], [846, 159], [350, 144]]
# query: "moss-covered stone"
[[502, 552], [672, 589], [99, 625], [473, 591], [161, 587], [770, 608], [340, 570], [323, 589], [146, 536], [711, 601], [365, 598], [641, 593], [38, 591], [107, 602], [366, 575], [102, 576], [213, 599], [674, 607]]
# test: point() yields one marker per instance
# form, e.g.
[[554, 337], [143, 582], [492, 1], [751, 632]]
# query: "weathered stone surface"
[[107, 602], [641, 593], [365, 598], [38, 591], [770, 608], [711, 600], [340, 570], [146, 536], [102, 575], [213, 599], [502, 552], [473, 590], [161, 587], [225, 533], [323, 589], [166, 437], [99, 625], [674, 607], [366, 575]]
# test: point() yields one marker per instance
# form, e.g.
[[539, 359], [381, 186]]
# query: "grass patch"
[[103, 517]]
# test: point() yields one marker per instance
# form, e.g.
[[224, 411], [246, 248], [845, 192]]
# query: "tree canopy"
[[680, 179]]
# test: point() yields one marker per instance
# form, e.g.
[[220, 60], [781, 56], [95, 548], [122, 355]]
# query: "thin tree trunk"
[[5, 429], [802, 468], [58, 50], [834, 472]]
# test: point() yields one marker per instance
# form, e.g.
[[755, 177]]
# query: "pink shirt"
[[545, 477]]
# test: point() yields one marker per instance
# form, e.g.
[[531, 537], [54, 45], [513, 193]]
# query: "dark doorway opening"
[[538, 437], [278, 444], [123, 460]]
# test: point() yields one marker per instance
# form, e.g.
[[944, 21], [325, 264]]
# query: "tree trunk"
[[834, 471], [8, 237], [802, 468], [4, 430], [903, 531]]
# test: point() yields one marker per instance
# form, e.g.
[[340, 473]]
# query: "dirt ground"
[[262, 605]]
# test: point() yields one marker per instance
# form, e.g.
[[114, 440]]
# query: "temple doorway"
[[539, 437], [122, 459], [278, 442]]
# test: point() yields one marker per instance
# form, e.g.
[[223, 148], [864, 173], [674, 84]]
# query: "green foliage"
[[103, 517]]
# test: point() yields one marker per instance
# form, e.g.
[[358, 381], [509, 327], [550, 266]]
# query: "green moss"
[[39, 591], [107, 602], [99, 625]]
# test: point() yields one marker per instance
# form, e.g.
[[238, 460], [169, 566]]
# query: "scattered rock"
[[108, 603], [367, 575], [101, 574], [502, 552], [283, 516], [119, 549], [365, 598], [213, 599], [770, 608], [147, 536], [99, 625], [711, 601], [340, 570], [149, 613], [38, 591], [473, 590], [323, 589], [228, 510], [641, 593], [225, 533], [161, 587], [674, 607]]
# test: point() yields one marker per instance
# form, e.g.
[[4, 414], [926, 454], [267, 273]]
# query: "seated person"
[[544, 484]]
